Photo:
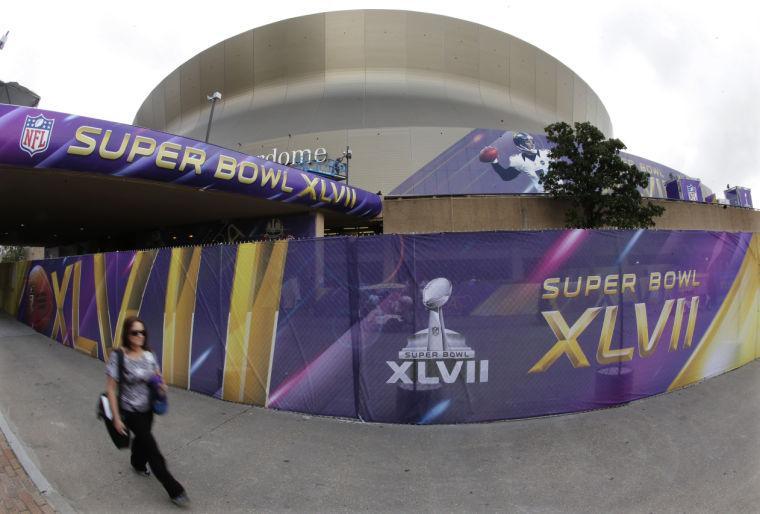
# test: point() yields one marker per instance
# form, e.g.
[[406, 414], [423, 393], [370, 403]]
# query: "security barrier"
[[444, 328]]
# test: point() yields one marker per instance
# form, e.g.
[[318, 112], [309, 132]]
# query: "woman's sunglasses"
[[137, 332]]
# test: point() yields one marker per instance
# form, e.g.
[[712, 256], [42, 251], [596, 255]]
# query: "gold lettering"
[[138, 149], [676, 332], [284, 187], [59, 292], [271, 175], [347, 201], [647, 345], [108, 154], [166, 151], [654, 281], [254, 175], [225, 168], [567, 340], [552, 291], [692, 322], [683, 279], [340, 195], [669, 281], [629, 282], [572, 294], [194, 156], [80, 136], [611, 284], [605, 355], [592, 283], [353, 198], [694, 279], [309, 189], [322, 196]]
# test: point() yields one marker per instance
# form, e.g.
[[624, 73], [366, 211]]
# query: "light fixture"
[[213, 98]]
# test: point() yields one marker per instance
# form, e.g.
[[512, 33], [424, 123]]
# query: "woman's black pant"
[[145, 451]]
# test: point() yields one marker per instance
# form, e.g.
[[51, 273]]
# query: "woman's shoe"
[[181, 500]]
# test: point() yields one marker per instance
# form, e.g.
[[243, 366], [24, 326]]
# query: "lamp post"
[[347, 154], [213, 98]]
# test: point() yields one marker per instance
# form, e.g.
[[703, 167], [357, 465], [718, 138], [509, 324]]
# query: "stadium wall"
[[536, 323], [504, 212]]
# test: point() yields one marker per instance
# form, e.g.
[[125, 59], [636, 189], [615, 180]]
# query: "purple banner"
[[536, 323], [739, 196], [445, 328], [684, 189], [489, 161], [50, 140]]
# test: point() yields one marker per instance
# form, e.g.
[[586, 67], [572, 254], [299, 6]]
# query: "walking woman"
[[134, 410]]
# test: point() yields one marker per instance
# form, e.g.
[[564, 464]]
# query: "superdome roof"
[[367, 69]]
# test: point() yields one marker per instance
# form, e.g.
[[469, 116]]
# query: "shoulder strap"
[[121, 372]]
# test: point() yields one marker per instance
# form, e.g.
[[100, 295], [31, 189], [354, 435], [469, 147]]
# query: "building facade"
[[398, 88]]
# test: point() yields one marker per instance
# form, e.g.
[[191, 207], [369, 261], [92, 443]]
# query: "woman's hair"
[[127, 327]]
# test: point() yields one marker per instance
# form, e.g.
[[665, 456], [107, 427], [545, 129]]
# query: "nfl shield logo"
[[36, 134]]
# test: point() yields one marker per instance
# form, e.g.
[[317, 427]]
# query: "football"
[[436, 293], [488, 154], [40, 296]]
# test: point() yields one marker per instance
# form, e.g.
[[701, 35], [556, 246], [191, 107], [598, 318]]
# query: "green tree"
[[586, 170], [12, 253]]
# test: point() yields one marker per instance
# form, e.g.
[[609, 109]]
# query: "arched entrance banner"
[[42, 139]]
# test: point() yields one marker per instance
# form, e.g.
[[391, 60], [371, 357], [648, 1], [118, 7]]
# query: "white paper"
[[106, 407]]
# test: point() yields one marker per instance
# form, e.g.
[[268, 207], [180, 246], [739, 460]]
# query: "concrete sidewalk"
[[693, 450]]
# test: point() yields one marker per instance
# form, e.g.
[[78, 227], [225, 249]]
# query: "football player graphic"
[[530, 161]]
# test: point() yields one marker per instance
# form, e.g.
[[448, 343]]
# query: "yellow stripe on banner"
[[238, 326], [755, 250], [20, 272], [254, 302], [6, 285], [265, 307], [75, 288], [731, 339], [181, 291], [12, 282], [83, 344], [101, 302], [133, 293]]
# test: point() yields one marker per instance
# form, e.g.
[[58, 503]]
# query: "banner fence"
[[441, 328]]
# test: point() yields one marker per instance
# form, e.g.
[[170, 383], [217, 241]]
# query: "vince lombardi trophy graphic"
[[436, 342], [435, 295]]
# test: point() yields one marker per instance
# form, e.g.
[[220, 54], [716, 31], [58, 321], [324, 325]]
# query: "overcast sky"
[[680, 80]]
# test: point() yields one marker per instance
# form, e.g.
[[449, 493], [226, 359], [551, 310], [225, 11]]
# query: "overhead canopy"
[[50, 208], [65, 178]]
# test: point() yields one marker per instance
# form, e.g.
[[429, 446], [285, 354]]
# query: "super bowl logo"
[[691, 192], [36, 135], [274, 228], [437, 354]]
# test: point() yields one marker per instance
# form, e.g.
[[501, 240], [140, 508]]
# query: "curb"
[[52, 496]]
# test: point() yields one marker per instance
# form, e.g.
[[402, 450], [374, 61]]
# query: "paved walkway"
[[695, 450], [17, 492]]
